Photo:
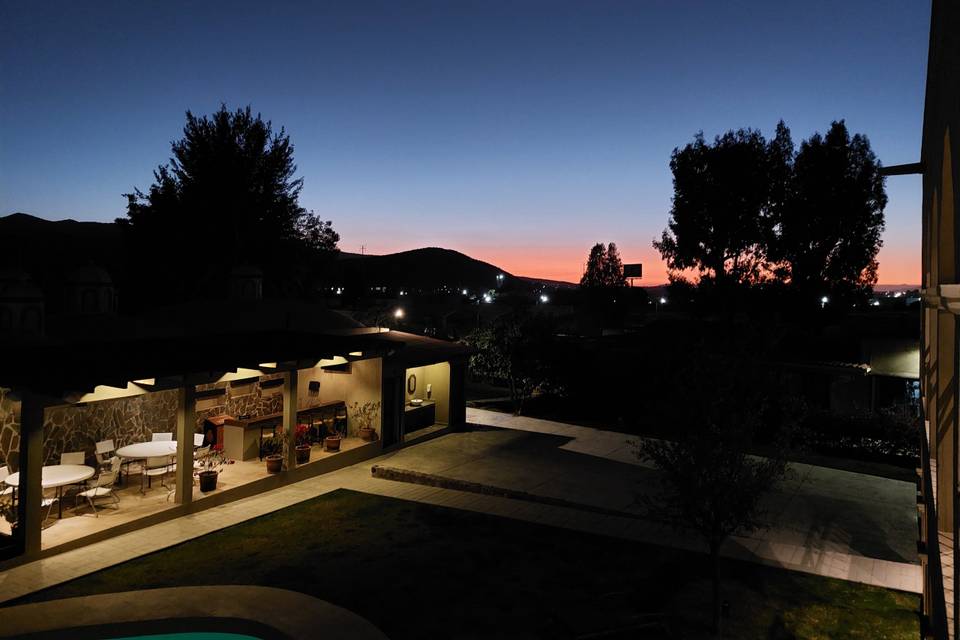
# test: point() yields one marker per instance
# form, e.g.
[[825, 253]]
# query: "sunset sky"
[[517, 132]]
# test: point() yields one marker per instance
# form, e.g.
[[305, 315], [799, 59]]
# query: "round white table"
[[148, 449], [144, 450], [59, 476]]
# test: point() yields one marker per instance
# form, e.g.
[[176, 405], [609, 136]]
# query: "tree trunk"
[[715, 568]]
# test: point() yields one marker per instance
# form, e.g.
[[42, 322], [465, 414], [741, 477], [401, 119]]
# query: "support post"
[[457, 400], [30, 490], [186, 426], [290, 381]]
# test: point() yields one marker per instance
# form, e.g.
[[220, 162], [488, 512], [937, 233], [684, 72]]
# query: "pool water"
[[198, 635]]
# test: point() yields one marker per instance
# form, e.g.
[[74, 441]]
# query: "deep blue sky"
[[519, 132]]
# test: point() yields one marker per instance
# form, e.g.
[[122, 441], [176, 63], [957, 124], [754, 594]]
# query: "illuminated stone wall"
[[80, 427], [240, 399], [9, 424]]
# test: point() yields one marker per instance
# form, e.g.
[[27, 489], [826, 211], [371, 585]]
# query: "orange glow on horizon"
[[565, 263]]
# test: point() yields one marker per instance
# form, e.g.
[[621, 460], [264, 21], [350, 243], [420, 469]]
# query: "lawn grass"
[[420, 571]]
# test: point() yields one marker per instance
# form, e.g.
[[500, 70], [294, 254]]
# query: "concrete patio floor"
[[818, 508], [832, 523]]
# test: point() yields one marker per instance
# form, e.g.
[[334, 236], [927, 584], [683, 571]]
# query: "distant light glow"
[[398, 314], [465, 292], [663, 301], [544, 298], [487, 298]]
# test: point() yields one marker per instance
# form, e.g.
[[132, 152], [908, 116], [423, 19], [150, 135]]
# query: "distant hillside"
[[44, 247], [545, 282], [427, 269], [35, 244]]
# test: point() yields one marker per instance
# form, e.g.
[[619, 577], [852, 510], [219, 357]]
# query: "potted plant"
[[366, 414], [209, 468], [272, 452], [302, 436]]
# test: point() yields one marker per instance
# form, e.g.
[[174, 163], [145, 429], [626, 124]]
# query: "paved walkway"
[[519, 456]]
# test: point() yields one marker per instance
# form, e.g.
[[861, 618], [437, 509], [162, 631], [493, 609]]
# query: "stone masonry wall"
[[9, 424], [79, 427], [128, 420]]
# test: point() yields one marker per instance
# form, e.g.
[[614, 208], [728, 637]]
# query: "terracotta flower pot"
[[274, 463], [367, 433], [208, 480], [303, 454], [332, 443]]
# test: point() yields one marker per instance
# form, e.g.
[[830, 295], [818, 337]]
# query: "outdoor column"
[[290, 417], [186, 426], [30, 490], [946, 418], [457, 400]]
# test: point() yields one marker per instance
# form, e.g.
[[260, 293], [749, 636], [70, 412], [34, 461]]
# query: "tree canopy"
[[830, 226], [746, 210], [604, 268], [721, 205], [227, 196]]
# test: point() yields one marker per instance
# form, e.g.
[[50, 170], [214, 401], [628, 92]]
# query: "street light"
[[823, 301], [544, 299], [398, 314], [487, 298]]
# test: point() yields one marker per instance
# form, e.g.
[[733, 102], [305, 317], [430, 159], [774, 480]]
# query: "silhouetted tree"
[[719, 222], [596, 266], [227, 196], [604, 268], [613, 268], [830, 226], [711, 485]]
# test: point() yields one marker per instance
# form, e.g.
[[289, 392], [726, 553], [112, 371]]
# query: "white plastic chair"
[[73, 457], [5, 489], [104, 450], [158, 437], [156, 466], [102, 488]]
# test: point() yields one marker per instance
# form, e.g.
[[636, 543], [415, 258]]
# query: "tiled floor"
[[827, 562], [135, 504]]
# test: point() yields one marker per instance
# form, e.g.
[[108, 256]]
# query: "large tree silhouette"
[[720, 219], [227, 196], [604, 268], [830, 226]]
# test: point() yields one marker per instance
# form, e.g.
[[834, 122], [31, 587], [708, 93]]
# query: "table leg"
[[59, 503]]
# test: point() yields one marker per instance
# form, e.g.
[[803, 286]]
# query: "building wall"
[[9, 424], [360, 385], [241, 398], [437, 375], [939, 151], [79, 427]]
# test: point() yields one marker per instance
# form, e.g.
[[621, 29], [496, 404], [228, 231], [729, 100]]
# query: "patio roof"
[[60, 368], [418, 351]]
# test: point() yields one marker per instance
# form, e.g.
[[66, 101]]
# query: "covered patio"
[[82, 425]]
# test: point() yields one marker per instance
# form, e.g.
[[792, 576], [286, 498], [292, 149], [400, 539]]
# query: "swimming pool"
[[195, 635]]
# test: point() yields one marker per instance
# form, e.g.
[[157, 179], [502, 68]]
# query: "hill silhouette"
[[429, 269], [45, 248]]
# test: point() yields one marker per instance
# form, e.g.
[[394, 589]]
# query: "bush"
[[888, 435]]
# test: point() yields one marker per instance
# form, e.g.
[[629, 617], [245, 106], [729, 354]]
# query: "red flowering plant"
[[302, 435]]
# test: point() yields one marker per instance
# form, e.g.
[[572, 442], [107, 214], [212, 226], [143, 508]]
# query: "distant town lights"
[[465, 292], [663, 301], [487, 298], [544, 298]]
